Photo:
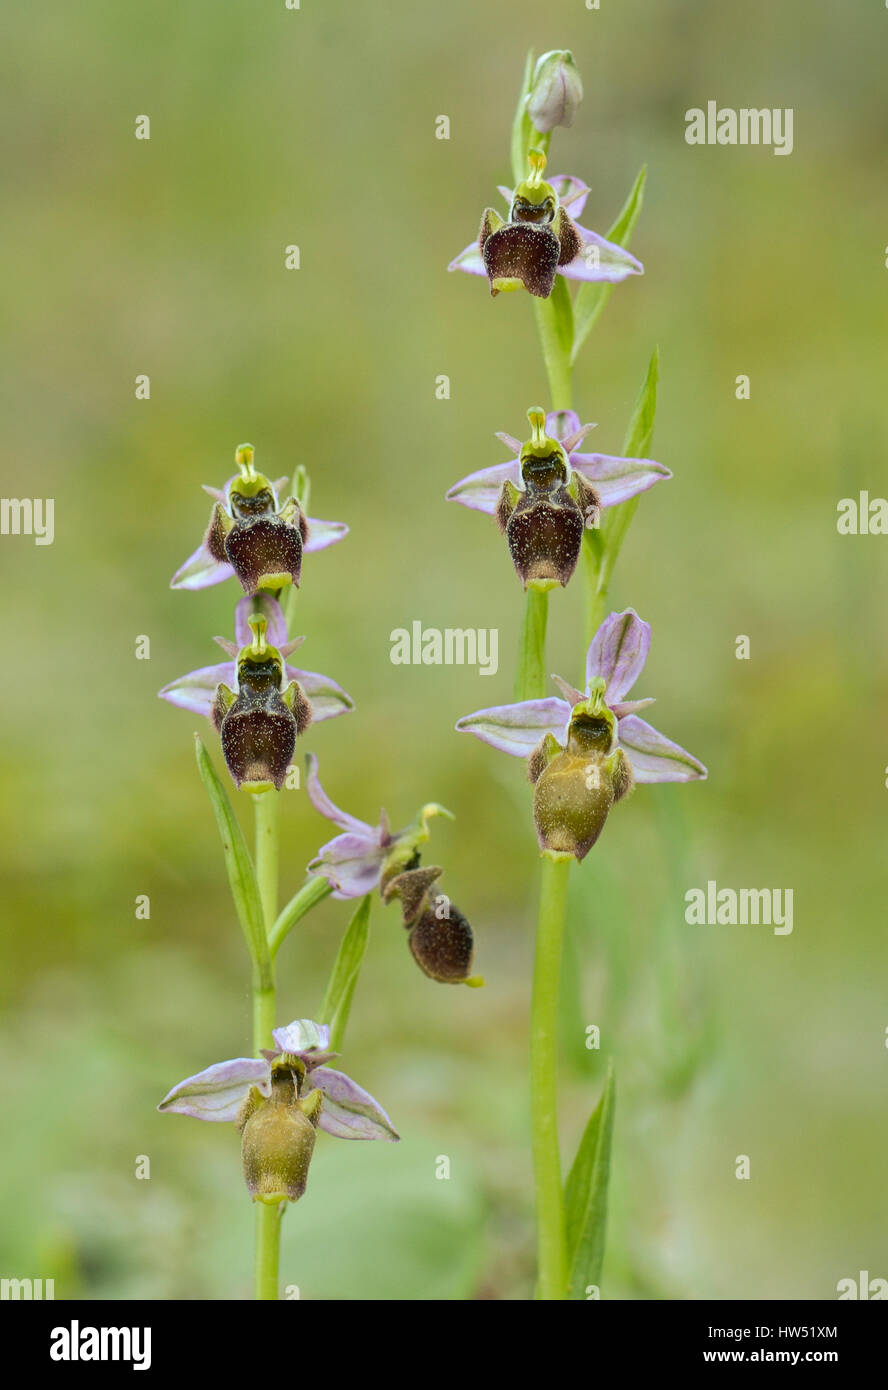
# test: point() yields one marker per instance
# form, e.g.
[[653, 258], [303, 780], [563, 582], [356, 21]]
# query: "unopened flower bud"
[[555, 91], [278, 1139]]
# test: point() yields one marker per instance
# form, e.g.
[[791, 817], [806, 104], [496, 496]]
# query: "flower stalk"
[[554, 323], [551, 1240]]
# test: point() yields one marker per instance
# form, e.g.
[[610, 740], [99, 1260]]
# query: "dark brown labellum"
[[524, 252], [259, 729], [264, 552], [258, 744], [442, 943], [545, 534]]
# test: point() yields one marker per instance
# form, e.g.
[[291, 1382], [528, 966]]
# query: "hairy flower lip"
[[614, 262], [202, 569], [616, 656]]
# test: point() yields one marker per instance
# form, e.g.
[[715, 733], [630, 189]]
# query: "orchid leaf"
[[637, 445], [592, 297], [337, 1002], [239, 867], [585, 1196]]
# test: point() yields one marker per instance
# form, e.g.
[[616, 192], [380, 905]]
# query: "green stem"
[[552, 1244], [530, 677], [264, 1003], [265, 805], [554, 318], [555, 329], [267, 1250], [313, 891], [267, 1219]]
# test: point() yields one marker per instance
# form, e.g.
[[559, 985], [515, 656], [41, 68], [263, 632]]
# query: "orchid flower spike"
[[278, 1101], [586, 750], [256, 701], [540, 238], [256, 532], [548, 494]]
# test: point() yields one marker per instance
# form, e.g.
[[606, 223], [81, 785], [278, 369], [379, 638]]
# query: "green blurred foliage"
[[271, 127]]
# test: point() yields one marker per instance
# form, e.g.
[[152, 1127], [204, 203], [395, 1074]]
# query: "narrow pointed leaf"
[[522, 128], [239, 867], [591, 298], [585, 1196], [337, 1002], [618, 519]]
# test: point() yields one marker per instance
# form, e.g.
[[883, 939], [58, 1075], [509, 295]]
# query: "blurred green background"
[[271, 127]]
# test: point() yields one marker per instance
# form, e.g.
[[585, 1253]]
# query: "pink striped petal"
[[480, 490], [654, 757], [517, 728], [599, 259], [618, 652], [322, 534], [218, 1093], [617, 479], [196, 690], [349, 1112]]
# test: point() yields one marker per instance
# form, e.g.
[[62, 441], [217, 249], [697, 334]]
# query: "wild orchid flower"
[[255, 532], [548, 494], [539, 238], [278, 1102], [585, 751], [366, 857], [257, 703]]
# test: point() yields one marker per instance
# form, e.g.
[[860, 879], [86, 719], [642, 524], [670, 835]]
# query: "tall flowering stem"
[[258, 704], [554, 324], [548, 500], [551, 1239], [267, 1219]]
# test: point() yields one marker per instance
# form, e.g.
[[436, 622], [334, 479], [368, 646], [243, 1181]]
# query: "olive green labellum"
[[576, 786], [278, 1137]]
